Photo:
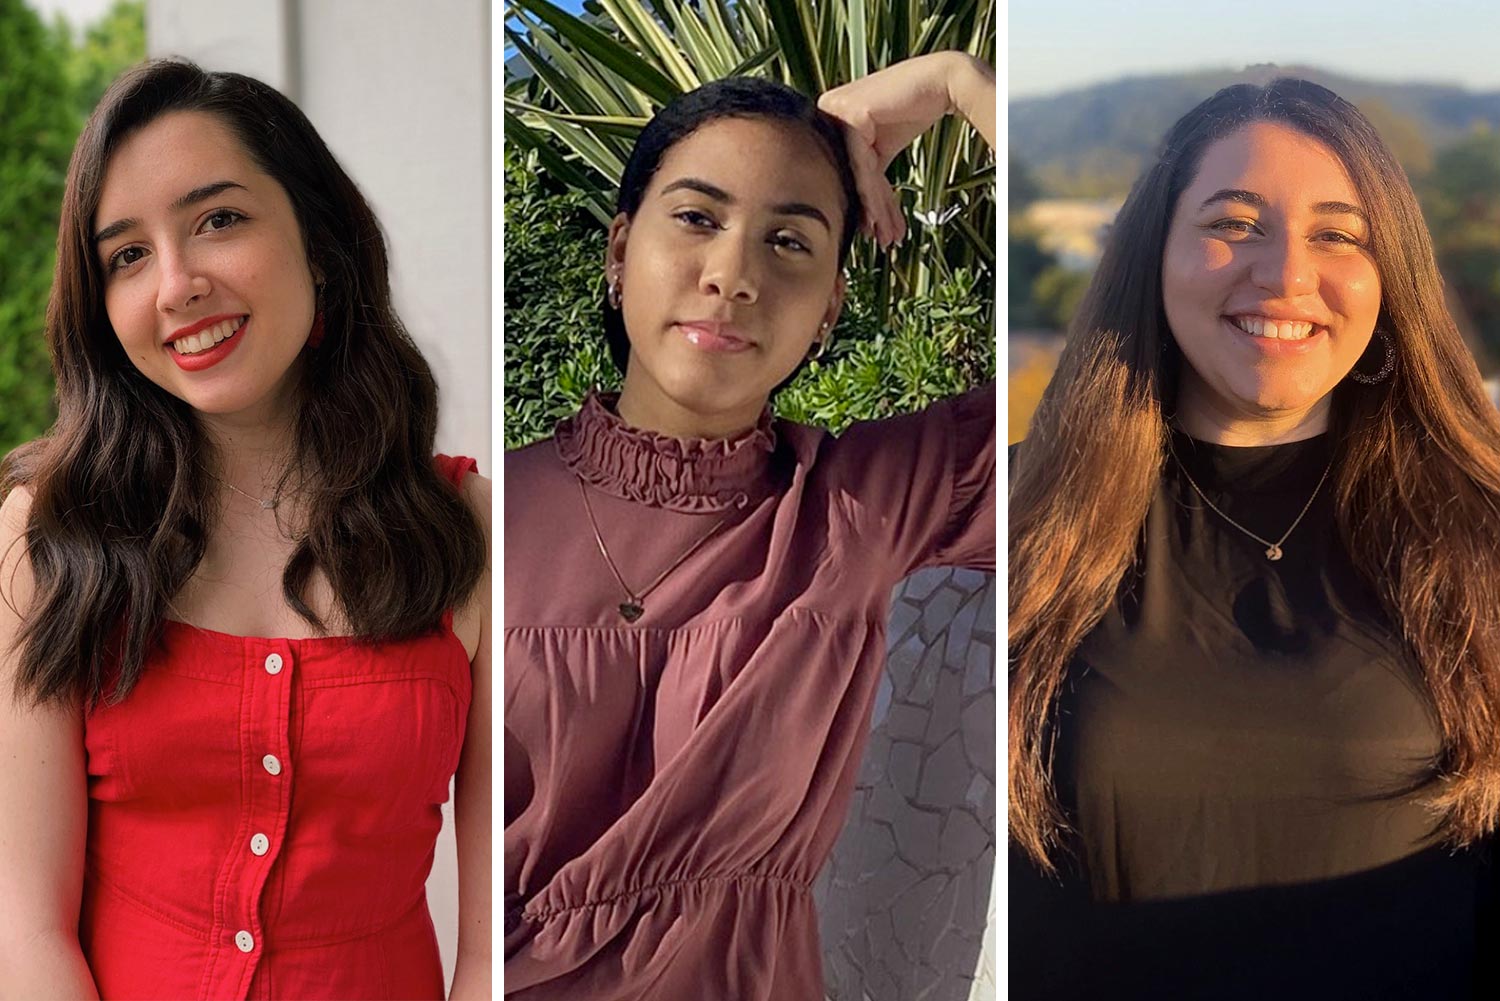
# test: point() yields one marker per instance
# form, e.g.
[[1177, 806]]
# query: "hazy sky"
[[78, 11], [1059, 44]]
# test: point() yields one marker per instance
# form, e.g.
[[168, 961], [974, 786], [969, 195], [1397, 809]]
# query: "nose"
[[1285, 267], [180, 284], [728, 272]]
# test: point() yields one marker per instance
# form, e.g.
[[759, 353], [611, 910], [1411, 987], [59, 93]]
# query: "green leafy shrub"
[[937, 344], [37, 128], [47, 88]]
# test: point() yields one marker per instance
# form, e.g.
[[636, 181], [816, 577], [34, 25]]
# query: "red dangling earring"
[[315, 335]]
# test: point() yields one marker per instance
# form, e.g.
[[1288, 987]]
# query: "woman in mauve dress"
[[696, 592], [1255, 591], [245, 616]]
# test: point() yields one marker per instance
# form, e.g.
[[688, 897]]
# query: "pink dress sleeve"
[[923, 484]]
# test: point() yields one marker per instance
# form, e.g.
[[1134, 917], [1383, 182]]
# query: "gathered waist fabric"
[[750, 936]]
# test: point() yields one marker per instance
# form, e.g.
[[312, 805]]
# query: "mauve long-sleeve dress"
[[674, 784]]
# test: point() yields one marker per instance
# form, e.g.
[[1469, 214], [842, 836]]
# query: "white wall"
[[400, 92]]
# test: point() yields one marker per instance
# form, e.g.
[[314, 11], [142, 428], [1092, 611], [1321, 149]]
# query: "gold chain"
[[634, 608], [1273, 550]]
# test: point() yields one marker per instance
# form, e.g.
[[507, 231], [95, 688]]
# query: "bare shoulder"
[[15, 563], [471, 623]]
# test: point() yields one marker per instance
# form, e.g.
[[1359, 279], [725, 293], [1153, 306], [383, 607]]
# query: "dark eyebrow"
[[199, 194], [1259, 201], [718, 194]]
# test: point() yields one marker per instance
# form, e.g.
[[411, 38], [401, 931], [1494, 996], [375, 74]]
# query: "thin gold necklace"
[[269, 505], [635, 607], [1273, 549]]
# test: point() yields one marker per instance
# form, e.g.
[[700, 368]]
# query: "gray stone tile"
[[947, 708], [903, 661], [961, 630], [963, 840], [981, 795], [924, 681], [893, 880], [970, 580], [922, 583], [904, 615], [911, 910], [885, 803], [938, 611], [979, 732], [917, 838], [904, 766], [872, 766], [945, 775], [979, 669], [883, 692], [906, 722]]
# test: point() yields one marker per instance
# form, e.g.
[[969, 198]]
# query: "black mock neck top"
[[1242, 747]]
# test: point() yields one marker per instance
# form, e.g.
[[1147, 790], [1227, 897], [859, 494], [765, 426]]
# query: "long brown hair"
[[1416, 470], [121, 509]]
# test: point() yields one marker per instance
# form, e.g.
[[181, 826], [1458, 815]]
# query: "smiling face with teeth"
[[1268, 284], [206, 280]]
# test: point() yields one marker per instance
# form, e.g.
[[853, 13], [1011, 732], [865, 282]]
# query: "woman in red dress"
[[246, 609]]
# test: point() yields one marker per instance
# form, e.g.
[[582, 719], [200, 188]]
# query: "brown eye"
[[122, 258]]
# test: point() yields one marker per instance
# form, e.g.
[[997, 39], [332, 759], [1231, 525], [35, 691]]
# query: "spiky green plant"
[[597, 80]]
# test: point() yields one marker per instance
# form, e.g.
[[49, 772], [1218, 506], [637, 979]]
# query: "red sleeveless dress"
[[262, 815]]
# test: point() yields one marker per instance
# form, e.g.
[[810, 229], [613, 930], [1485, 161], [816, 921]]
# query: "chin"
[[708, 389]]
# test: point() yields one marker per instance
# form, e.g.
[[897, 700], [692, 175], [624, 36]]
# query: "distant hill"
[[1094, 141]]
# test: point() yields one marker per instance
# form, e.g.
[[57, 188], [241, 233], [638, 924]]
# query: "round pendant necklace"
[[634, 606], [1273, 549]]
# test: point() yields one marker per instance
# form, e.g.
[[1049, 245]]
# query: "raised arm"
[[472, 976], [43, 808], [885, 111]]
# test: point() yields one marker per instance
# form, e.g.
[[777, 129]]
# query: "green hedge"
[[938, 344]]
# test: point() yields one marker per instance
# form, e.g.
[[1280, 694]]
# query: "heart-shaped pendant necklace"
[[633, 608]]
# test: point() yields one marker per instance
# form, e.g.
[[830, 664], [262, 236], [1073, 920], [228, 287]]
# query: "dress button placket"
[[265, 722]]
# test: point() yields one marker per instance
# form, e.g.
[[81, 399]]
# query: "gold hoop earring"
[[820, 346]]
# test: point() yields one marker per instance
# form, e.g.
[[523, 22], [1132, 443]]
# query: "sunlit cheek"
[[1215, 255], [1353, 290]]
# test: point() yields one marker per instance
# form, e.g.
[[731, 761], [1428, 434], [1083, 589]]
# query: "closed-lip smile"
[[715, 335]]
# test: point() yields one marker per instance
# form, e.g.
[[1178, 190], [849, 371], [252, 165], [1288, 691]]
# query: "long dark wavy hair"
[[121, 502], [1416, 469], [731, 97]]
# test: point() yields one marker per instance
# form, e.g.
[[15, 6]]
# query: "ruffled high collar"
[[692, 475]]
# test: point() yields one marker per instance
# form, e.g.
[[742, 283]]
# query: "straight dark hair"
[[731, 97], [121, 512], [1416, 468]]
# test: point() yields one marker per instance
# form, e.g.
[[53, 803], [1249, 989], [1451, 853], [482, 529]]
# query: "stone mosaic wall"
[[904, 901]]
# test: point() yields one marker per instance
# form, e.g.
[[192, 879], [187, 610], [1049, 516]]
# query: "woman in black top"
[[1255, 590]]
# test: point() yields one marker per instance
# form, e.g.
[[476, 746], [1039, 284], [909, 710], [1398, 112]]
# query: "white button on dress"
[[272, 764], [260, 844], [273, 664], [244, 941]]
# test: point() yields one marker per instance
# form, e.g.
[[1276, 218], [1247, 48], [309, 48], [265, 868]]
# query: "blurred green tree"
[[116, 41], [37, 127], [1461, 200], [48, 86]]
